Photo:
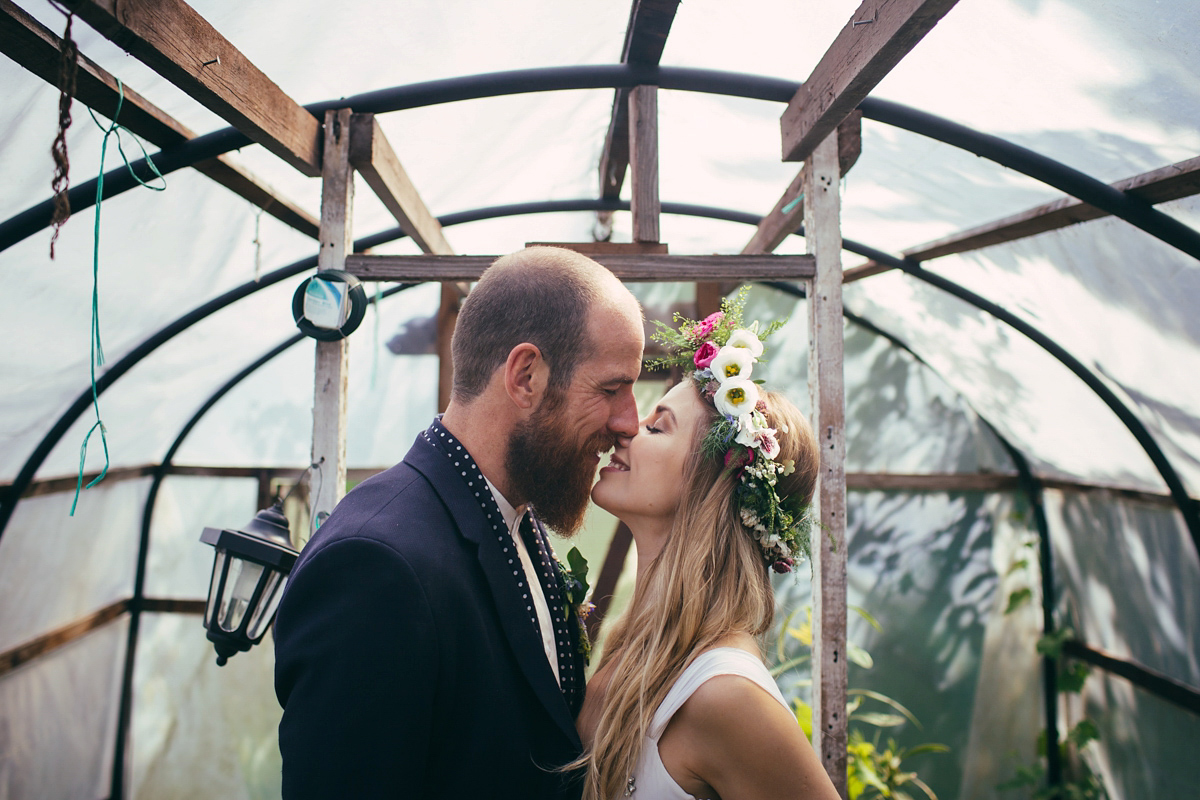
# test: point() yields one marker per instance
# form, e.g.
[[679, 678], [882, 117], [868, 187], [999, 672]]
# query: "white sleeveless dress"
[[651, 781]]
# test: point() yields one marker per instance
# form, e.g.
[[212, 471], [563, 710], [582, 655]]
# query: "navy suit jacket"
[[405, 660]]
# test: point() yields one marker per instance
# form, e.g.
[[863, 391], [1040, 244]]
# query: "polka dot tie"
[[535, 541]]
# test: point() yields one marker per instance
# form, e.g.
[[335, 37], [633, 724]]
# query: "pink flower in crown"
[[738, 457], [703, 329], [705, 354], [765, 440]]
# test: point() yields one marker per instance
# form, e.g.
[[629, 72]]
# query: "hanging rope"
[[97, 350], [67, 70]]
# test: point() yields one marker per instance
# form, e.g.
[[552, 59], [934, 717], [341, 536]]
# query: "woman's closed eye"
[[652, 429]]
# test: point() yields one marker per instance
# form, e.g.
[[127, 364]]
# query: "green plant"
[[873, 770], [1077, 781]]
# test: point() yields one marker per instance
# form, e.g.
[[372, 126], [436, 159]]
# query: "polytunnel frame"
[[1090, 190], [1030, 484], [1085, 188]]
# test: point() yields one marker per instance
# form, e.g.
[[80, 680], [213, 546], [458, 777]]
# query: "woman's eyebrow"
[[665, 410]]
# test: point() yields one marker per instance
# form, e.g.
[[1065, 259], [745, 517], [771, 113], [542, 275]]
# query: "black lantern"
[[249, 571]]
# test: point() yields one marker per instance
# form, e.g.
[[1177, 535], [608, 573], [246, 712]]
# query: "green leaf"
[[1073, 678], [791, 663], [804, 716], [1017, 565], [859, 656], [1084, 732], [879, 719], [862, 612], [1051, 644], [928, 747], [883, 698], [1018, 598]]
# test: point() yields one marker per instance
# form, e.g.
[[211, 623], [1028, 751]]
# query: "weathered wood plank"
[[36, 48], [634, 268], [1171, 182], [788, 214], [645, 37], [332, 361], [643, 162], [606, 248], [822, 223], [171, 38], [15, 657], [372, 155], [878, 35]]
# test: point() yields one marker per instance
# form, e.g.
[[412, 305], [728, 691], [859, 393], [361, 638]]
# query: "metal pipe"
[[1189, 508], [1132, 209]]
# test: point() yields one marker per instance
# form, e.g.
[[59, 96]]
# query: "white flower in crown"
[[748, 340], [732, 363], [736, 397], [765, 441], [749, 426]]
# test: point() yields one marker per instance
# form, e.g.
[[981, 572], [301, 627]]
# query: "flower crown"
[[721, 355]]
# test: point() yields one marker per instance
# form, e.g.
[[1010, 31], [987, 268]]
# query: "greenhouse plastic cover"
[[1107, 87]]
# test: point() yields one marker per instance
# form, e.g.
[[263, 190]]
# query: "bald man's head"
[[539, 295]]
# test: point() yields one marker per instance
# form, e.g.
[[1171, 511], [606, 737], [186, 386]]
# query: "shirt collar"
[[512, 516]]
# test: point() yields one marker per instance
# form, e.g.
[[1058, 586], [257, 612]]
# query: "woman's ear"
[[526, 375]]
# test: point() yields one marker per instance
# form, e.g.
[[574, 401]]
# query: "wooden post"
[[446, 321], [643, 162], [825, 380], [328, 480]]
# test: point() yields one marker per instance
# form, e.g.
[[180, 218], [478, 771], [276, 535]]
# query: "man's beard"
[[550, 469]]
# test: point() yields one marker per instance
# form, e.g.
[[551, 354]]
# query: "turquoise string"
[[96, 357]]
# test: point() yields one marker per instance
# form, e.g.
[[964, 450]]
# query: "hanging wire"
[[68, 69], [97, 349]]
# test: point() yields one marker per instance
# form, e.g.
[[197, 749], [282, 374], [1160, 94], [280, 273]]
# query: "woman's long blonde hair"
[[708, 581]]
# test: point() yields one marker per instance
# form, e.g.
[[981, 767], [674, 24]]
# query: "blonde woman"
[[715, 489]]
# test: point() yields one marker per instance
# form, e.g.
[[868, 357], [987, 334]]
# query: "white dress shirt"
[[512, 518]]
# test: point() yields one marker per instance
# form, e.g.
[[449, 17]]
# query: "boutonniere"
[[574, 575]]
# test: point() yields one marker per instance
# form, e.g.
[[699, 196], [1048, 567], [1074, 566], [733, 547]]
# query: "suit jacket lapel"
[[502, 570]]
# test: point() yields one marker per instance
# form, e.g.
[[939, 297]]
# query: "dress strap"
[[710, 664]]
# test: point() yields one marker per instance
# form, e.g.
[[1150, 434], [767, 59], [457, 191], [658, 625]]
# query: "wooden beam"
[[33, 46], [332, 362], [788, 214], [645, 36], [372, 155], [1150, 680], [15, 657], [822, 224], [606, 582], [607, 248], [175, 41], [643, 162], [878, 35], [1171, 182], [636, 267]]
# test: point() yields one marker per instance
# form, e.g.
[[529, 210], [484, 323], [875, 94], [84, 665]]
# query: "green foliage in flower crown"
[[678, 338]]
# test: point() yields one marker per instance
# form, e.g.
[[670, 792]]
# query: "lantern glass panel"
[[239, 590], [262, 616], [213, 586]]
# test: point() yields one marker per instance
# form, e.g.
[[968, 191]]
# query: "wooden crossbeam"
[[645, 36], [1171, 182], [372, 155], [171, 38], [878, 35], [33, 46], [635, 267], [788, 214]]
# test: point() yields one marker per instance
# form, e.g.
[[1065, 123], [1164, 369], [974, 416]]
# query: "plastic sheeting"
[[59, 719]]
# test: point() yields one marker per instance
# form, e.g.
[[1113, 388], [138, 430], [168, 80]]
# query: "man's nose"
[[624, 420]]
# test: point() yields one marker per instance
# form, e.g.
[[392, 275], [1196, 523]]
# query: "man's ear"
[[526, 375]]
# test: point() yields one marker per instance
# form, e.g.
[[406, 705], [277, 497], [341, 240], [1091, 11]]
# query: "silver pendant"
[[629, 787]]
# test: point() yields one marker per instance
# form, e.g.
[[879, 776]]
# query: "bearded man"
[[424, 647]]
